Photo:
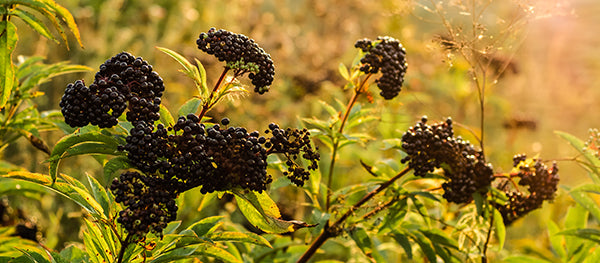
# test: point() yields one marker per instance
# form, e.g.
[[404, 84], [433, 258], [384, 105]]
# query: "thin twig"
[[334, 229], [208, 103]]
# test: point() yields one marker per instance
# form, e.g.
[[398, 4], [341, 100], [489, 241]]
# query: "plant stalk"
[[208, 103], [357, 91], [333, 230], [124, 244]]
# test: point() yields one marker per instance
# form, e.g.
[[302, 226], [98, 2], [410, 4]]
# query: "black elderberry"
[[541, 183], [385, 55], [293, 143], [121, 79], [430, 147], [241, 54]]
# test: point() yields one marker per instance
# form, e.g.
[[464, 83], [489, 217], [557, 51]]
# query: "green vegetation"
[[297, 131]]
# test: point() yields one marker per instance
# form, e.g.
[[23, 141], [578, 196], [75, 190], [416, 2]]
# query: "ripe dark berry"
[[241, 55], [225, 121], [385, 55]]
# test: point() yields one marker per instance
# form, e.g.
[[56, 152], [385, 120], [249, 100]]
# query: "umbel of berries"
[[385, 55], [122, 82], [241, 54], [430, 147], [541, 183]]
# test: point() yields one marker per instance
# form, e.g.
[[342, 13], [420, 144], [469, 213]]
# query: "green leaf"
[[74, 254], [583, 199], [65, 187], [366, 245], [34, 256], [8, 41], [68, 19], [579, 145], [583, 233], [8, 186], [524, 259], [45, 8], [165, 116], [500, 229], [113, 165], [204, 88], [240, 237], [100, 195], [34, 23], [425, 245], [196, 250], [402, 239], [556, 241], [189, 70], [396, 214], [190, 106], [344, 71], [263, 213], [206, 225], [92, 142]]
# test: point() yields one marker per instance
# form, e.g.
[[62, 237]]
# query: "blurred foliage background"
[[542, 77]]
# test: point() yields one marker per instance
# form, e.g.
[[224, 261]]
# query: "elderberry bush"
[[385, 55], [430, 147], [241, 54]]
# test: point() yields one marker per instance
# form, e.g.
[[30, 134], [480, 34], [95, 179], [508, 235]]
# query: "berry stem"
[[333, 230], [124, 244], [208, 104], [357, 91]]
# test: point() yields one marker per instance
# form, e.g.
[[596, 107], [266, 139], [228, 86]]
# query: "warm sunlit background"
[[543, 74]]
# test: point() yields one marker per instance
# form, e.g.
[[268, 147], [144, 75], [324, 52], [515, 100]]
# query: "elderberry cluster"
[[241, 53], [122, 82], [293, 142], [149, 200], [387, 55], [541, 183], [430, 147]]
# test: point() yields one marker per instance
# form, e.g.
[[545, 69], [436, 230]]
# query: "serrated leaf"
[[190, 106], [100, 195], [73, 192], [263, 213], [45, 8], [240, 237], [34, 23], [68, 19], [8, 41], [81, 143]]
